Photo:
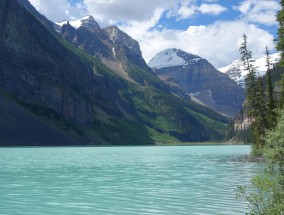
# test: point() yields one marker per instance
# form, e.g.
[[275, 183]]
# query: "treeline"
[[243, 125]]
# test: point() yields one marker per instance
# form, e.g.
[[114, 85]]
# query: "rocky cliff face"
[[37, 68], [87, 34], [120, 38], [197, 77]]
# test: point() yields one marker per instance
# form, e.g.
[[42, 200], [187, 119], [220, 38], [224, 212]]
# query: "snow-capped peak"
[[172, 57], [87, 21], [237, 72]]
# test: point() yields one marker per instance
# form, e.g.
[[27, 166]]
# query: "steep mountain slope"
[[59, 88], [19, 126], [40, 17], [237, 73], [197, 77]]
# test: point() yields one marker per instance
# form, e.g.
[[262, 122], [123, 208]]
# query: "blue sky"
[[230, 13], [212, 29]]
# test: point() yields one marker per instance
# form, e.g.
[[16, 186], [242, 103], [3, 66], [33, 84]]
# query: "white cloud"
[[185, 12], [259, 11], [108, 12], [138, 29], [191, 8], [58, 10], [214, 9], [113, 11], [219, 43]]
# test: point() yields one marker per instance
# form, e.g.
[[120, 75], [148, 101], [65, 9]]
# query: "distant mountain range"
[[198, 78], [75, 83], [237, 73]]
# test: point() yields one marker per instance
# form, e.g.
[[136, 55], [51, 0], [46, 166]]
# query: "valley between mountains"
[[75, 83]]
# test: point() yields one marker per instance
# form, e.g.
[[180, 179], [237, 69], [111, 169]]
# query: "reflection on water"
[[123, 180]]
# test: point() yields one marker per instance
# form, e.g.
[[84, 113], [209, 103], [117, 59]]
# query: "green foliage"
[[271, 104], [274, 149], [269, 196], [208, 112], [280, 40], [274, 154], [245, 136], [143, 76], [246, 57], [255, 95], [248, 136], [262, 201], [210, 123], [84, 56], [171, 115], [281, 100], [123, 132], [164, 138]]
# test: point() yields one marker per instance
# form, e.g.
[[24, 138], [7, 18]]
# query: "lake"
[[172, 180]]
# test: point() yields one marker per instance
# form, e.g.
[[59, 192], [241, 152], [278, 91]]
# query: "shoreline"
[[154, 145], [250, 159]]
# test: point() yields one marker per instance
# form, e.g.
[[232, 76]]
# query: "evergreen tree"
[[269, 198], [271, 105], [254, 94], [281, 99], [280, 40]]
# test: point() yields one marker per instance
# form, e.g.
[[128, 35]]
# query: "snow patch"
[[75, 23], [172, 57], [204, 92], [237, 72], [113, 52]]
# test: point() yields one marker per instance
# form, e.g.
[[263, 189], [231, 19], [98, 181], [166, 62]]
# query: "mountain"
[[84, 32], [237, 72], [198, 78], [116, 49], [88, 22], [55, 93]]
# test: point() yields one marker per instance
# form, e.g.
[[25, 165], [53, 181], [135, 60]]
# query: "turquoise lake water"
[[123, 180]]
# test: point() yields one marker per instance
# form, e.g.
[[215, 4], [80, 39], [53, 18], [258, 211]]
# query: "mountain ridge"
[[87, 21], [198, 78]]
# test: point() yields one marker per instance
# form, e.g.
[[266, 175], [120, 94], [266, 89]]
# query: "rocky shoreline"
[[250, 159]]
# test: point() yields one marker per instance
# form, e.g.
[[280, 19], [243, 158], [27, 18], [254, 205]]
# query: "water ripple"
[[198, 180]]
